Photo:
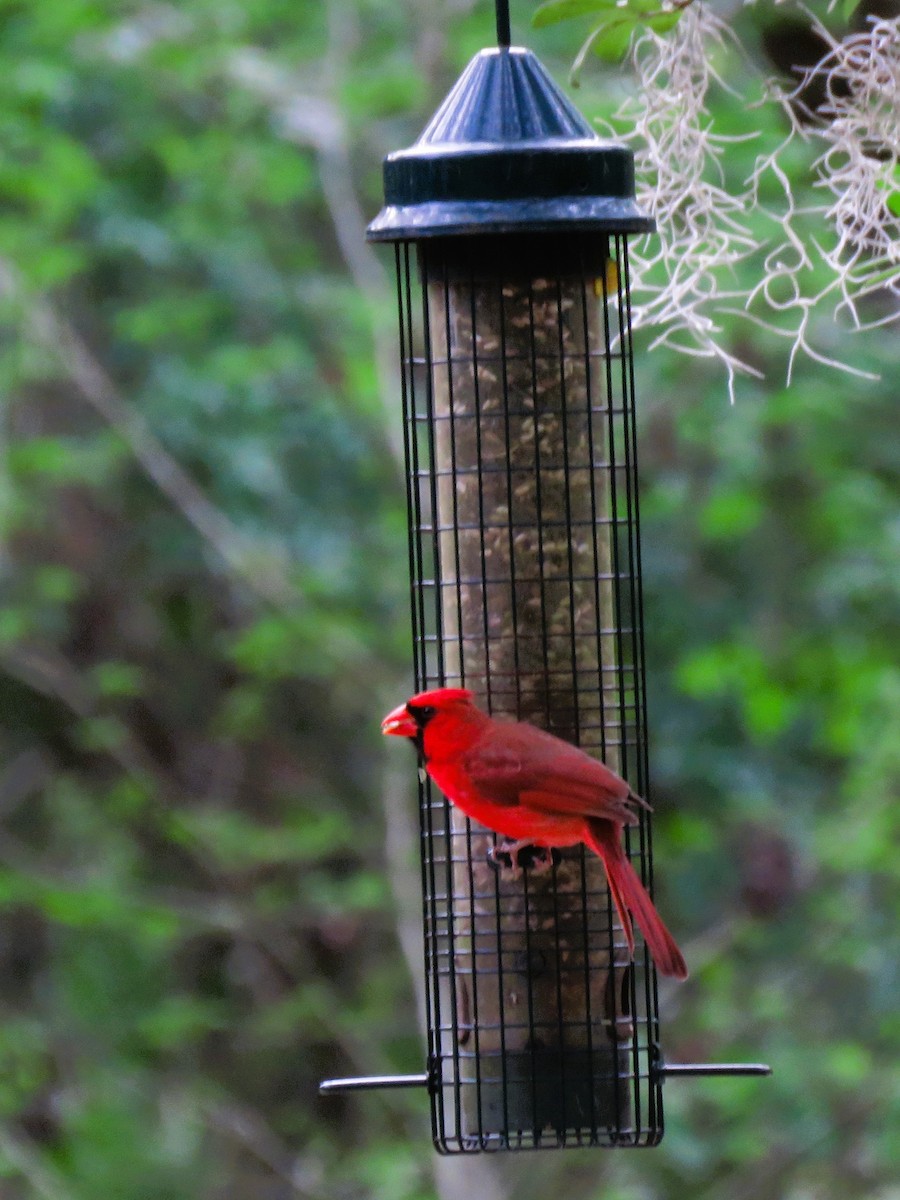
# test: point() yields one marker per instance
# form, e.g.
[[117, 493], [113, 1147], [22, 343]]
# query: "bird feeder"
[[510, 220]]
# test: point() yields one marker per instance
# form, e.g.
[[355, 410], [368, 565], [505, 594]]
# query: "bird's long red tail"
[[628, 893]]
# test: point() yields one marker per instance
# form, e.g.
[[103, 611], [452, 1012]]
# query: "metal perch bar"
[[669, 1070]]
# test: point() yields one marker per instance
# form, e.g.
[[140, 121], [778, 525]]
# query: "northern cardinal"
[[538, 790]]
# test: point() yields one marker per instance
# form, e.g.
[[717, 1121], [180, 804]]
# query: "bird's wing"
[[565, 801], [519, 764], [495, 770]]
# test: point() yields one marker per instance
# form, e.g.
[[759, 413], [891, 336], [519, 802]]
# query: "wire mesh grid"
[[525, 570]]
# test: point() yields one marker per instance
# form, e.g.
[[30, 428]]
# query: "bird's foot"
[[511, 858]]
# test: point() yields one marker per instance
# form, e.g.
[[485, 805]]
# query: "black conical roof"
[[505, 96], [507, 152]]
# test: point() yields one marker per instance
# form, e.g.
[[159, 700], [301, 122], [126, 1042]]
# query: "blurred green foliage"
[[203, 613], [617, 22]]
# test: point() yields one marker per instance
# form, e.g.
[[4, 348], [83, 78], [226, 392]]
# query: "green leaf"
[[56, 583], [100, 734], [705, 672], [238, 843], [662, 22], [613, 39], [563, 10], [178, 1019], [849, 1064], [15, 625], [115, 678], [40, 456], [892, 199], [730, 514], [768, 708]]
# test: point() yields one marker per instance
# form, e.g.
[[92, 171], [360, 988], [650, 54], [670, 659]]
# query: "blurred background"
[[208, 893]]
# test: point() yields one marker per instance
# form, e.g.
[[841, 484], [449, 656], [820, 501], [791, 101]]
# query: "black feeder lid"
[[507, 152]]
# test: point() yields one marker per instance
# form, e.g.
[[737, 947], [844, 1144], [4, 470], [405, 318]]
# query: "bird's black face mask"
[[421, 714]]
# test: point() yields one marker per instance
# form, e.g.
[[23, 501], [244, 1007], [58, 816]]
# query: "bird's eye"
[[423, 713]]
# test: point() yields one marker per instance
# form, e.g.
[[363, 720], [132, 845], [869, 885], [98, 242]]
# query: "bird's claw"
[[511, 858]]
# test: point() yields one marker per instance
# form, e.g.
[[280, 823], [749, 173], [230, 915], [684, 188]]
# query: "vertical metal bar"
[[414, 518], [539, 523], [538, 501], [479, 458], [610, 468], [573, 659], [589, 404], [529, 972], [504, 375], [438, 576], [563, 1124], [635, 758], [650, 978], [631, 759], [567, 506], [476, 397], [461, 990], [450, 485], [503, 29]]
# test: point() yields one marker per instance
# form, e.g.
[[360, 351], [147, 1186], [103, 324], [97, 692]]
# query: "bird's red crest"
[[440, 697]]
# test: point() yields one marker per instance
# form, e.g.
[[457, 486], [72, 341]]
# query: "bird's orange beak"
[[400, 723]]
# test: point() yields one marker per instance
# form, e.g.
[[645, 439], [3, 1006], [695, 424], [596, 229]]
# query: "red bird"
[[538, 790]]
